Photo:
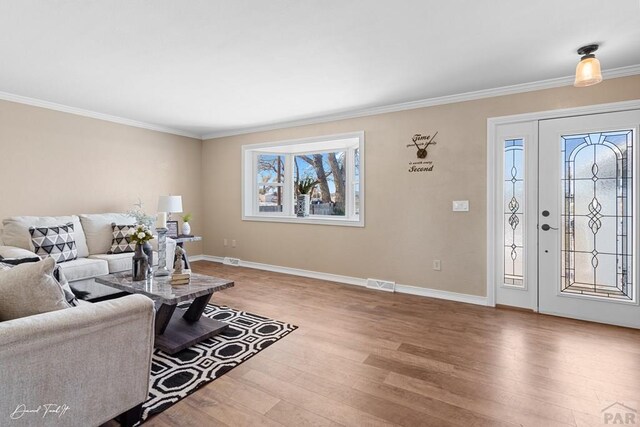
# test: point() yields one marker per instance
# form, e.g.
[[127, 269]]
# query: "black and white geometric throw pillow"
[[56, 242], [122, 242]]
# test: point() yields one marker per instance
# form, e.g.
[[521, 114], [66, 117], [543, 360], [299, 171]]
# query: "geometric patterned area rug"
[[175, 377]]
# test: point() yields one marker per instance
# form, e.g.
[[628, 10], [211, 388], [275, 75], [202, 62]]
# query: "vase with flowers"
[[141, 235]]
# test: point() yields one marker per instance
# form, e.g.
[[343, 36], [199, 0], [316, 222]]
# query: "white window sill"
[[315, 219]]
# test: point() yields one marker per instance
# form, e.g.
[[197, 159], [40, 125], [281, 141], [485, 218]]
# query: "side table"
[[180, 241]]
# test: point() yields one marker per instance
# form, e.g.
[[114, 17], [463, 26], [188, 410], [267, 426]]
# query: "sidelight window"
[[513, 214]]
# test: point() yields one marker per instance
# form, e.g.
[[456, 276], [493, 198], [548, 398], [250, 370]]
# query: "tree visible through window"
[[334, 165], [328, 170]]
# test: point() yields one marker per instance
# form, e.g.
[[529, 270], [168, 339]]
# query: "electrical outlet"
[[225, 242], [233, 243], [436, 265]]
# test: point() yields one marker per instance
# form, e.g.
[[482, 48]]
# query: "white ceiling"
[[214, 67]]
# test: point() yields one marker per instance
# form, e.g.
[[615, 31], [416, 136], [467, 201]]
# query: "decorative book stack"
[[181, 278]]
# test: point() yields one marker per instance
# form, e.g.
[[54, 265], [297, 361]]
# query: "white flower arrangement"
[[141, 234]]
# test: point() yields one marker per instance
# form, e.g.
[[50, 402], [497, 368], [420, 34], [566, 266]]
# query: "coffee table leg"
[[196, 308], [163, 316]]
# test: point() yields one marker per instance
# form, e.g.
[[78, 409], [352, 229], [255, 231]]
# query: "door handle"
[[547, 227]]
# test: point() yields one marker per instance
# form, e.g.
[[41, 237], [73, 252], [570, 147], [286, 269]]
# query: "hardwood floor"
[[367, 358]]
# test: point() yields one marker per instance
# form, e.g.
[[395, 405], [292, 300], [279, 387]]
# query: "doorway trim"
[[492, 125]]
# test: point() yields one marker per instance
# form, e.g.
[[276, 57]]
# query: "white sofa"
[[90, 363], [93, 236]]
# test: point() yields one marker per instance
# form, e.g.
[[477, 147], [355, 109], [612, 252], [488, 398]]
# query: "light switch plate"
[[461, 206]]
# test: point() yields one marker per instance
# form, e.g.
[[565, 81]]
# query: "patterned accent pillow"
[[56, 242], [121, 242]]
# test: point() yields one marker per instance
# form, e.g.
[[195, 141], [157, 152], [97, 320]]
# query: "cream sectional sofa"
[[92, 361], [93, 236]]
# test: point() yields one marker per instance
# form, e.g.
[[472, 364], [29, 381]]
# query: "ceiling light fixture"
[[588, 71]]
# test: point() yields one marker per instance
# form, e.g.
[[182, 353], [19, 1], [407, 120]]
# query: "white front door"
[[587, 217]]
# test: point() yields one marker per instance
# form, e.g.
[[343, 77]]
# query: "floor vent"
[[231, 261], [381, 285]]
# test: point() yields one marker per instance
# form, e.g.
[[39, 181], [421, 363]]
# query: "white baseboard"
[[436, 293], [405, 289]]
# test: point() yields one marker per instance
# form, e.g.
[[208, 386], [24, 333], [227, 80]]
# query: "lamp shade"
[[588, 72], [170, 204]]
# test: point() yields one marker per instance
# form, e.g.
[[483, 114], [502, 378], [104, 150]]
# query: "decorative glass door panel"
[[513, 191], [587, 219], [597, 219]]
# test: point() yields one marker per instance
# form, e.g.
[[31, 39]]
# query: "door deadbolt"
[[545, 213]]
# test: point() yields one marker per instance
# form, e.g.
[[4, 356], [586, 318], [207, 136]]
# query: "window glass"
[[327, 171], [270, 182], [513, 190]]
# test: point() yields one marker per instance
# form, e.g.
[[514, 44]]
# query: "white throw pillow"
[[97, 228], [16, 253], [16, 231], [29, 289]]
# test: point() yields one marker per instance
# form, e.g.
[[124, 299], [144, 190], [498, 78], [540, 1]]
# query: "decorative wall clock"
[[420, 143], [422, 146]]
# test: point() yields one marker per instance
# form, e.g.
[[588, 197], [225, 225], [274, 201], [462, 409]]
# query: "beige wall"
[[54, 163], [409, 221]]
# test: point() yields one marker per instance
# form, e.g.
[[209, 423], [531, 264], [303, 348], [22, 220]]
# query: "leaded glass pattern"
[[597, 217], [513, 201]]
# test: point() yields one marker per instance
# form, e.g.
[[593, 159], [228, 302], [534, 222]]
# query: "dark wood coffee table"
[[176, 328]]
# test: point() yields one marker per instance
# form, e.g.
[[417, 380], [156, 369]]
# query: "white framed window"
[[272, 171]]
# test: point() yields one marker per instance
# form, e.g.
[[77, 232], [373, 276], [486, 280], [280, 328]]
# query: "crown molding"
[[94, 115], [422, 103], [429, 102]]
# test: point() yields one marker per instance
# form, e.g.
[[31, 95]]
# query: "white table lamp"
[[170, 204]]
